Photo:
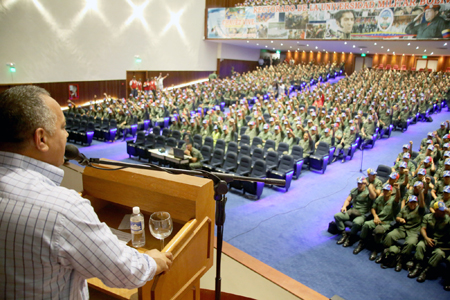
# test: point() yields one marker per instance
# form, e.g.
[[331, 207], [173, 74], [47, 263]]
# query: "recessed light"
[[281, 44], [393, 53], [334, 52], [307, 45], [266, 46], [445, 44], [354, 46], [323, 50], [382, 47], [360, 49], [248, 42], [298, 42], [291, 47], [375, 44], [417, 47], [351, 53], [367, 51], [317, 47], [345, 43], [298, 48], [413, 55], [425, 50], [389, 50], [271, 41], [409, 44], [431, 53], [273, 48], [257, 44], [403, 54]]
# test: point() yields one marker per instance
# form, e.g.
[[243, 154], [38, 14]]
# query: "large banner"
[[378, 19]]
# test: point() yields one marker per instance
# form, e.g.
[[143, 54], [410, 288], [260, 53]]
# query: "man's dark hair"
[[338, 16], [22, 111]]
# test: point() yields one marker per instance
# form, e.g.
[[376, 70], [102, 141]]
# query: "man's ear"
[[40, 140]]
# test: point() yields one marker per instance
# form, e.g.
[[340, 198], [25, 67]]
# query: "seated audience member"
[[360, 199], [409, 219], [384, 210], [435, 230]]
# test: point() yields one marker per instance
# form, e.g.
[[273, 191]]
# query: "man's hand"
[[401, 220], [163, 260], [344, 210], [430, 242], [377, 220]]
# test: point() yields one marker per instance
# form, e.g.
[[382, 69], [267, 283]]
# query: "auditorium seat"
[[172, 142], [270, 144], [230, 163], [319, 160], [285, 170], [209, 142], [383, 172], [216, 160], [220, 144], [244, 168], [244, 151], [198, 139], [245, 140], [257, 142], [133, 144], [233, 147], [297, 154], [256, 188], [271, 160], [149, 143], [206, 153], [258, 153], [109, 134]]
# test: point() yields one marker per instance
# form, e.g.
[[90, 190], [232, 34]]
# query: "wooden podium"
[[190, 202]]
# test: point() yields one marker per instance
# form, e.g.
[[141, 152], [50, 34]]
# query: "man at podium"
[[52, 240]]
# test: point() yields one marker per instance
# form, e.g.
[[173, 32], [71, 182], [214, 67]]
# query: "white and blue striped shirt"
[[51, 240]]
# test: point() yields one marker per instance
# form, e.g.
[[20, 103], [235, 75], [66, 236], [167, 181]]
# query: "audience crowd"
[[403, 212]]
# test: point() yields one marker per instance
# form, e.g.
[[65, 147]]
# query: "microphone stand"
[[220, 180]]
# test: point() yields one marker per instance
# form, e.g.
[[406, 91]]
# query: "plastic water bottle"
[[137, 228]]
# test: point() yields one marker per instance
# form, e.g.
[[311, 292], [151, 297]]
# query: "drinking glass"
[[161, 226]]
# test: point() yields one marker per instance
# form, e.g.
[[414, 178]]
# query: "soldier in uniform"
[[195, 162], [384, 210], [435, 231], [361, 199], [434, 27], [410, 219], [345, 144]]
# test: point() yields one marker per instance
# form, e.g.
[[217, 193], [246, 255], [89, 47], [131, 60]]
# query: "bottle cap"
[[136, 210]]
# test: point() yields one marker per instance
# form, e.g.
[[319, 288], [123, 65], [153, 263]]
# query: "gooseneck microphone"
[[72, 153]]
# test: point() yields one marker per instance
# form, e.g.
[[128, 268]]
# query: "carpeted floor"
[[288, 231]]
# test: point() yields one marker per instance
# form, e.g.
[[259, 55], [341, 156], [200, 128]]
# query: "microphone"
[[72, 153]]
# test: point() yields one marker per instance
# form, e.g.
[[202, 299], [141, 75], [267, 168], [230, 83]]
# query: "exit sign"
[[363, 54], [424, 57]]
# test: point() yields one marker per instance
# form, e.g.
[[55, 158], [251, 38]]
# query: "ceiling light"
[[298, 42], [417, 47], [317, 47], [345, 43], [257, 44], [266, 46], [248, 42], [393, 53], [323, 50], [425, 50], [403, 54], [354, 46], [375, 44], [389, 50], [273, 48], [281, 44], [271, 41], [299, 49], [367, 51], [360, 49], [334, 52], [382, 47], [445, 44], [431, 53], [291, 47], [409, 44], [307, 45]]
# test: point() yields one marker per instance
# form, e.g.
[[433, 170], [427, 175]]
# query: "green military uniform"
[[265, 135], [437, 28], [196, 154], [290, 141], [252, 132], [437, 229], [361, 205], [377, 184], [411, 166], [306, 145], [386, 211], [408, 231]]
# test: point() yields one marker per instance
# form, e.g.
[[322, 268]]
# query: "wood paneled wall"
[[240, 66], [408, 60], [323, 58], [87, 89]]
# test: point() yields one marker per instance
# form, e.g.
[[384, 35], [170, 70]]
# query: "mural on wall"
[[379, 19]]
